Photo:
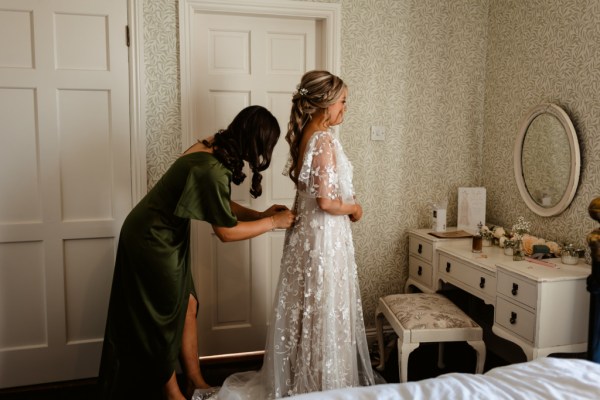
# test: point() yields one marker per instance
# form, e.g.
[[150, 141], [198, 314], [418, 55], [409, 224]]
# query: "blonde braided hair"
[[317, 90]]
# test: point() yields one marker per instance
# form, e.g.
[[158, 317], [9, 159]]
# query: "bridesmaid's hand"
[[283, 219], [274, 209]]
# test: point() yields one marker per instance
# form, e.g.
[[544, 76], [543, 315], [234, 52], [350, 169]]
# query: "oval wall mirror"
[[547, 160]]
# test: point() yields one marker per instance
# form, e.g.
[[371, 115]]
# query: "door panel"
[[65, 181], [18, 114]]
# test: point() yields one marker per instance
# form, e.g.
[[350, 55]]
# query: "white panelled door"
[[65, 182], [242, 60]]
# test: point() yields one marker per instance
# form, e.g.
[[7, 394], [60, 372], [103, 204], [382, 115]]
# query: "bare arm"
[[247, 214], [338, 207], [263, 222], [244, 213]]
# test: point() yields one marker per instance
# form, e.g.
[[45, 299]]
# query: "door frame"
[[326, 14], [137, 99]]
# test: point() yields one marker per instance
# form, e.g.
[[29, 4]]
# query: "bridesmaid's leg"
[[189, 349], [171, 389]]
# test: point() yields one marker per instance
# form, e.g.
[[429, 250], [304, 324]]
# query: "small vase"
[[518, 252], [487, 242], [508, 250]]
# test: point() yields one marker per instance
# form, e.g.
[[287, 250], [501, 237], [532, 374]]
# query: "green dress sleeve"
[[206, 197]]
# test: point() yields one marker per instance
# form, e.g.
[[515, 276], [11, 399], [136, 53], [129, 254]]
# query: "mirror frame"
[[569, 193]]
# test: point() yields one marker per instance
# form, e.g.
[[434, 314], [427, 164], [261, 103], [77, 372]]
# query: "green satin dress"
[[152, 279]]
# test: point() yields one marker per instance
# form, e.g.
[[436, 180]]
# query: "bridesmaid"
[[152, 312]]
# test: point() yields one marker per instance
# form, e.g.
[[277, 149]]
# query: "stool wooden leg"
[[379, 330], [479, 347], [404, 350], [441, 364]]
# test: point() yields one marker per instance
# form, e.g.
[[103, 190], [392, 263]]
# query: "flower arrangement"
[[508, 244], [520, 232], [520, 228], [486, 233], [529, 241], [498, 232], [554, 248], [506, 241]]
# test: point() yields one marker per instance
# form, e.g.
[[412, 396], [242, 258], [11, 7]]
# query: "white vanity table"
[[542, 309]]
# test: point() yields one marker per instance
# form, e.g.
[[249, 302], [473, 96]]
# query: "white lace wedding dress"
[[316, 339]]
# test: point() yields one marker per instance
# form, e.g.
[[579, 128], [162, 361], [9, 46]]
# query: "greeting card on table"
[[471, 208]]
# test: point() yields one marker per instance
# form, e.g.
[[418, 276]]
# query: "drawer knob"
[[513, 317], [482, 282], [420, 249], [420, 271], [515, 289], [448, 266]]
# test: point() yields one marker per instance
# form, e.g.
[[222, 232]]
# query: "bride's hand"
[[357, 214]]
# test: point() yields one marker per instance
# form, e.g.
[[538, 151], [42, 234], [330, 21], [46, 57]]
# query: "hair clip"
[[302, 91]]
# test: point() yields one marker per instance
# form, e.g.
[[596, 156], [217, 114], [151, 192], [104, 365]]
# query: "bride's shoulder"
[[319, 137]]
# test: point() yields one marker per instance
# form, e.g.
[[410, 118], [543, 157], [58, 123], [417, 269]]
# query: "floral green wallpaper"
[[541, 51], [449, 80], [163, 113], [416, 68]]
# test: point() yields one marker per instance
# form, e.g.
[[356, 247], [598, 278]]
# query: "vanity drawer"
[[477, 279], [420, 248], [515, 318], [454, 269], [420, 271], [517, 289]]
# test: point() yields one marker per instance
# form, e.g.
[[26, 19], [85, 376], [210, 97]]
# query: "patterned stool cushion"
[[427, 311], [421, 317]]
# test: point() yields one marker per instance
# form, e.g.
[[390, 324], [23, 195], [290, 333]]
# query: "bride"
[[316, 339]]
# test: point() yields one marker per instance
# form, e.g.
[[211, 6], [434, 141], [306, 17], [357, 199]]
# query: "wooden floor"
[[459, 357]]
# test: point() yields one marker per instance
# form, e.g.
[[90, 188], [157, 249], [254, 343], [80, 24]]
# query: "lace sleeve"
[[319, 175]]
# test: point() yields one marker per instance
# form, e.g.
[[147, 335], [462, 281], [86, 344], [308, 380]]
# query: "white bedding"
[[543, 378]]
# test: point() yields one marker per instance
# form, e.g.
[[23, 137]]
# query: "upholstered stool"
[[420, 318]]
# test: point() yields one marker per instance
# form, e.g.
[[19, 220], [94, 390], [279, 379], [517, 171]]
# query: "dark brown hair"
[[251, 137]]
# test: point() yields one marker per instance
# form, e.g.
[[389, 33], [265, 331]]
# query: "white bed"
[[542, 378]]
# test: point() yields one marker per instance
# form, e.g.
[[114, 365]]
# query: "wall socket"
[[377, 133]]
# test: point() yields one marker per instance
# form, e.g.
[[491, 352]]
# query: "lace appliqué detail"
[[326, 171]]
